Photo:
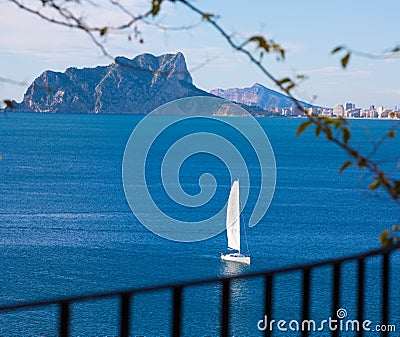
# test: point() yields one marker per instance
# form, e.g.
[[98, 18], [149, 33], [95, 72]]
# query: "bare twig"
[[70, 20]]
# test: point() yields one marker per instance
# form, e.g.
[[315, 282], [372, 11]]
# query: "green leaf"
[[397, 186], [346, 135], [345, 60], [328, 132], [361, 163], [317, 130], [155, 6], [284, 80], [303, 127], [374, 185], [388, 242], [262, 42], [334, 51], [345, 166], [384, 235], [282, 52], [103, 31], [277, 47], [385, 239], [258, 38], [207, 16], [9, 104], [290, 87]]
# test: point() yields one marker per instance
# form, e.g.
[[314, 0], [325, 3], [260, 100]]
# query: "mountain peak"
[[258, 85], [136, 85], [257, 95], [168, 65]]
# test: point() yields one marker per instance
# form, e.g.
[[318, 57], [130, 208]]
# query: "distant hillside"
[[257, 95], [134, 86]]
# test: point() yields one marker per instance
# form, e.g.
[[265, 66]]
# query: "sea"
[[66, 228]]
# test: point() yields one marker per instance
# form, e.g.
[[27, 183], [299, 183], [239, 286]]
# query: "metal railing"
[[125, 297]]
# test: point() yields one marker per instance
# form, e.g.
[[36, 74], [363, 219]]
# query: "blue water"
[[66, 228]]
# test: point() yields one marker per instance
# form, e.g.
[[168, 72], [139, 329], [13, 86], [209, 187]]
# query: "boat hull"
[[239, 258]]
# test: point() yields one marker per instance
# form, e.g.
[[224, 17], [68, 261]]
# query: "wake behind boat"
[[233, 227]]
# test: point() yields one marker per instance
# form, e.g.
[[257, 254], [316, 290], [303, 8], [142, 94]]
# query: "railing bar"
[[385, 293], [64, 319], [125, 310], [306, 299], [268, 286], [360, 295], [336, 294], [195, 283], [225, 307], [177, 312]]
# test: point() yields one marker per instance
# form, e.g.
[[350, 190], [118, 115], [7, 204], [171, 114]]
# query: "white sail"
[[233, 217]]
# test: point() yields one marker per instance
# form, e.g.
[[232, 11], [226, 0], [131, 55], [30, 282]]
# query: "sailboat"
[[233, 227]]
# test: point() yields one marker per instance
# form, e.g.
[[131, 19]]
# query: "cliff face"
[[257, 95], [126, 86]]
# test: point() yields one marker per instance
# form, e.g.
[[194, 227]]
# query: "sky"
[[307, 29]]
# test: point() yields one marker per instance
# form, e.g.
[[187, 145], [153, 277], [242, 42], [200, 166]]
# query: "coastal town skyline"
[[350, 110]]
